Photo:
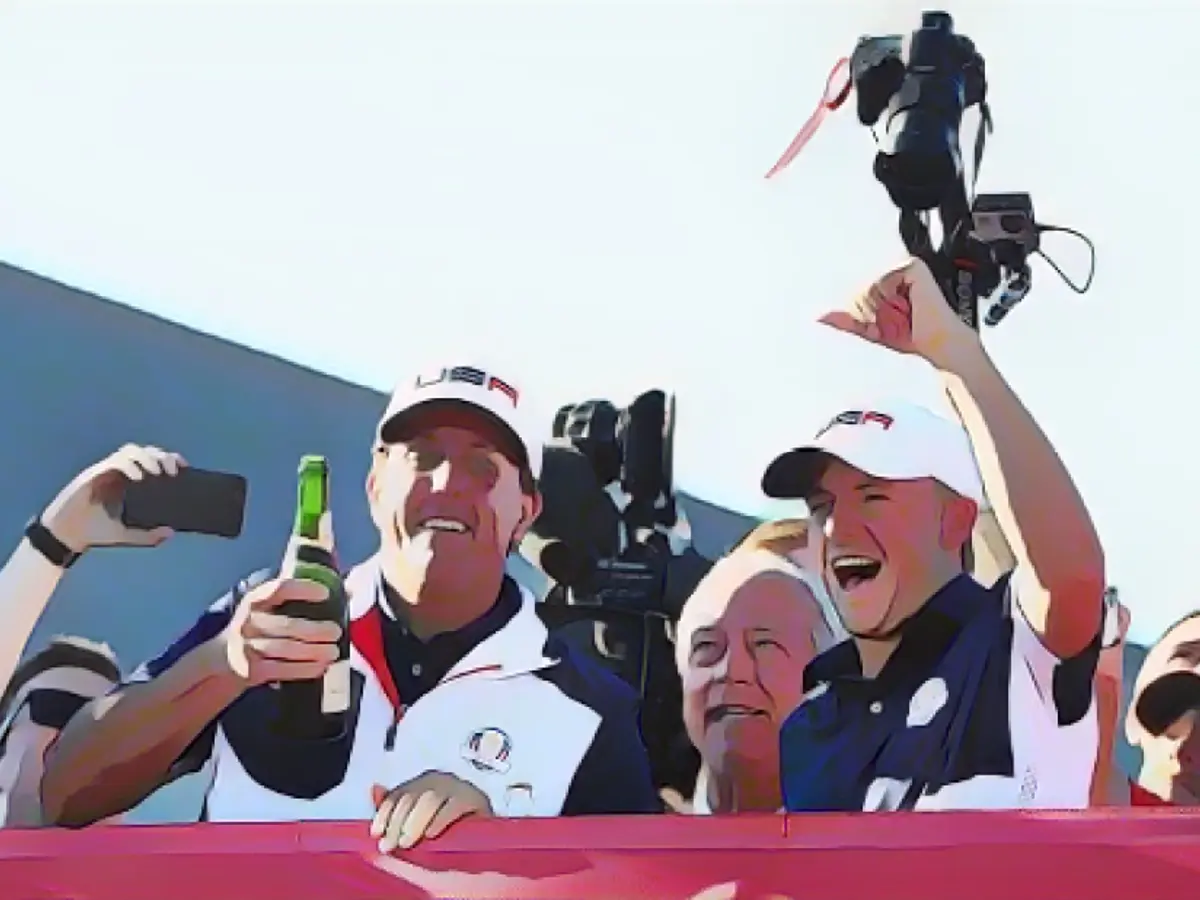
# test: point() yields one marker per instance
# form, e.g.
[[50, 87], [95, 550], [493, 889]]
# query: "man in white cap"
[[461, 703], [948, 694], [1163, 720]]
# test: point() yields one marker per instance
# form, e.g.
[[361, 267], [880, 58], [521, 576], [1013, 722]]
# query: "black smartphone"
[[195, 501]]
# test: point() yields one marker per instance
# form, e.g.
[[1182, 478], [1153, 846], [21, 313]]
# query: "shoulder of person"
[[586, 680], [227, 602], [206, 627]]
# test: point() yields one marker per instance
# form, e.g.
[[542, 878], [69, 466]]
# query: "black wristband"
[[42, 540]]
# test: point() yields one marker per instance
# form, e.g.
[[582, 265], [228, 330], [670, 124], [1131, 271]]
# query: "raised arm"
[[27, 582], [79, 518], [1040, 513]]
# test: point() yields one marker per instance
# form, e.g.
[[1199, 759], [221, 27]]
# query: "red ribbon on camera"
[[833, 98]]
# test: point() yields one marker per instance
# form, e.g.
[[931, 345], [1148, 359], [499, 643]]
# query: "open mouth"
[[444, 526], [728, 711], [851, 571]]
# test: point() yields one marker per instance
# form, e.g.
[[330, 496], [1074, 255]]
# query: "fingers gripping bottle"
[[316, 709]]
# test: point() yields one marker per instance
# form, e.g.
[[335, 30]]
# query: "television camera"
[[616, 549], [912, 91]]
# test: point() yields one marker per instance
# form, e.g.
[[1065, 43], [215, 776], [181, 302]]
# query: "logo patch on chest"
[[488, 749], [927, 702]]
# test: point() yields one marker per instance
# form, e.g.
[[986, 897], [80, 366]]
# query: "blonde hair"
[[788, 539], [777, 546], [781, 536]]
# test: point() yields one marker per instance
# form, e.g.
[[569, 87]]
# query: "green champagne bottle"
[[316, 709]]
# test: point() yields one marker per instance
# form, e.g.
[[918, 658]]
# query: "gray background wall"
[[81, 376]]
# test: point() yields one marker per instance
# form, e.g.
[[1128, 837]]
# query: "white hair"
[[735, 570]]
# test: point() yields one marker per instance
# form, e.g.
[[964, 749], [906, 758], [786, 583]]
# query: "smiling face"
[[449, 503], [889, 545], [744, 639]]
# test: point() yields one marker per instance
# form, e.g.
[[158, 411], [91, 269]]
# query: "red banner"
[[885, 856]]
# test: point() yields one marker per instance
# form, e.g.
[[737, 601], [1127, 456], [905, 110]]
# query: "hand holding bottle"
[[263, 645]]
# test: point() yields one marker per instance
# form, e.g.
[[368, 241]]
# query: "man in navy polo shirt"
[[461, 703], [947, 695]]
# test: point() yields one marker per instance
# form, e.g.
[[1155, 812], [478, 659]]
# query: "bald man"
[[744, 638]]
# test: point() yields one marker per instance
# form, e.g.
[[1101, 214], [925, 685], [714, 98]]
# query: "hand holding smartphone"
[[194, 501]]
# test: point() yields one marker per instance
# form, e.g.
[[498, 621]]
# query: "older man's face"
[[744, 645]]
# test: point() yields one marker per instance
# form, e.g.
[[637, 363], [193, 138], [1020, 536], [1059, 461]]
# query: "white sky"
[[576, 187]]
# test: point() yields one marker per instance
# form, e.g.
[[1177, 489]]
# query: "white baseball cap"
[[892, 441], [497, 397]]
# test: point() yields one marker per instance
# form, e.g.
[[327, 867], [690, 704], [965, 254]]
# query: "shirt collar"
[[954, 604], [454, 645], [1139, 796], [516, 647]]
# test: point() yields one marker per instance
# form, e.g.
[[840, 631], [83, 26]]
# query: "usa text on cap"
[[893, 442], [498, 398]]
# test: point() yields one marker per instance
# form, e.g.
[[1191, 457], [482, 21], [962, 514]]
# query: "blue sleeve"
[[205, 628], [613, 777]]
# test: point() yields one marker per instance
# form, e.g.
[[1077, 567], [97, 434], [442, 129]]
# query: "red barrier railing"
[[925, 856]]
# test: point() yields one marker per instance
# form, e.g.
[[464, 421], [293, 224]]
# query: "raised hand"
[[905, 311], [86, 513]]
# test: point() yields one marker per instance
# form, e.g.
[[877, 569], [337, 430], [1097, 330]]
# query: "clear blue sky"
[[577, 187]]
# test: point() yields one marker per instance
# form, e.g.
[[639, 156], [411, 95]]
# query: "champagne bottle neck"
[[312, 498], [316, 555], [307, 525]]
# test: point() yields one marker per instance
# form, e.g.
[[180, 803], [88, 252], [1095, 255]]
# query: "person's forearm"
[[120, 748], [27, 583], [1040, 512], [1106, 772]]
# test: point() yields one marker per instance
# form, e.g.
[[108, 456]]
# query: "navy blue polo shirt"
[[970, 712], [613, 775]]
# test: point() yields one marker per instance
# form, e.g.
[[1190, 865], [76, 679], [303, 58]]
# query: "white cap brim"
[[914, 444], [493, 399]]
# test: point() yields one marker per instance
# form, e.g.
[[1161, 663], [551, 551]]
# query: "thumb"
[[378, 793], [289, 555], [845, 322]]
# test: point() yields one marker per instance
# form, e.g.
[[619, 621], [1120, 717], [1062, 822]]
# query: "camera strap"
[[838, 86], [837, 89]]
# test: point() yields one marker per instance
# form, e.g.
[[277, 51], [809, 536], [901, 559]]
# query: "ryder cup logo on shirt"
[[487, 750], [468, 375], [927, 702]]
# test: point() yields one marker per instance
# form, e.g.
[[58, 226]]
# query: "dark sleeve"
[[205, 628], [1067, 686], [613, 777]]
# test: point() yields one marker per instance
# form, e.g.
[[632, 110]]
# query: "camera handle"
[[964, 266]]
